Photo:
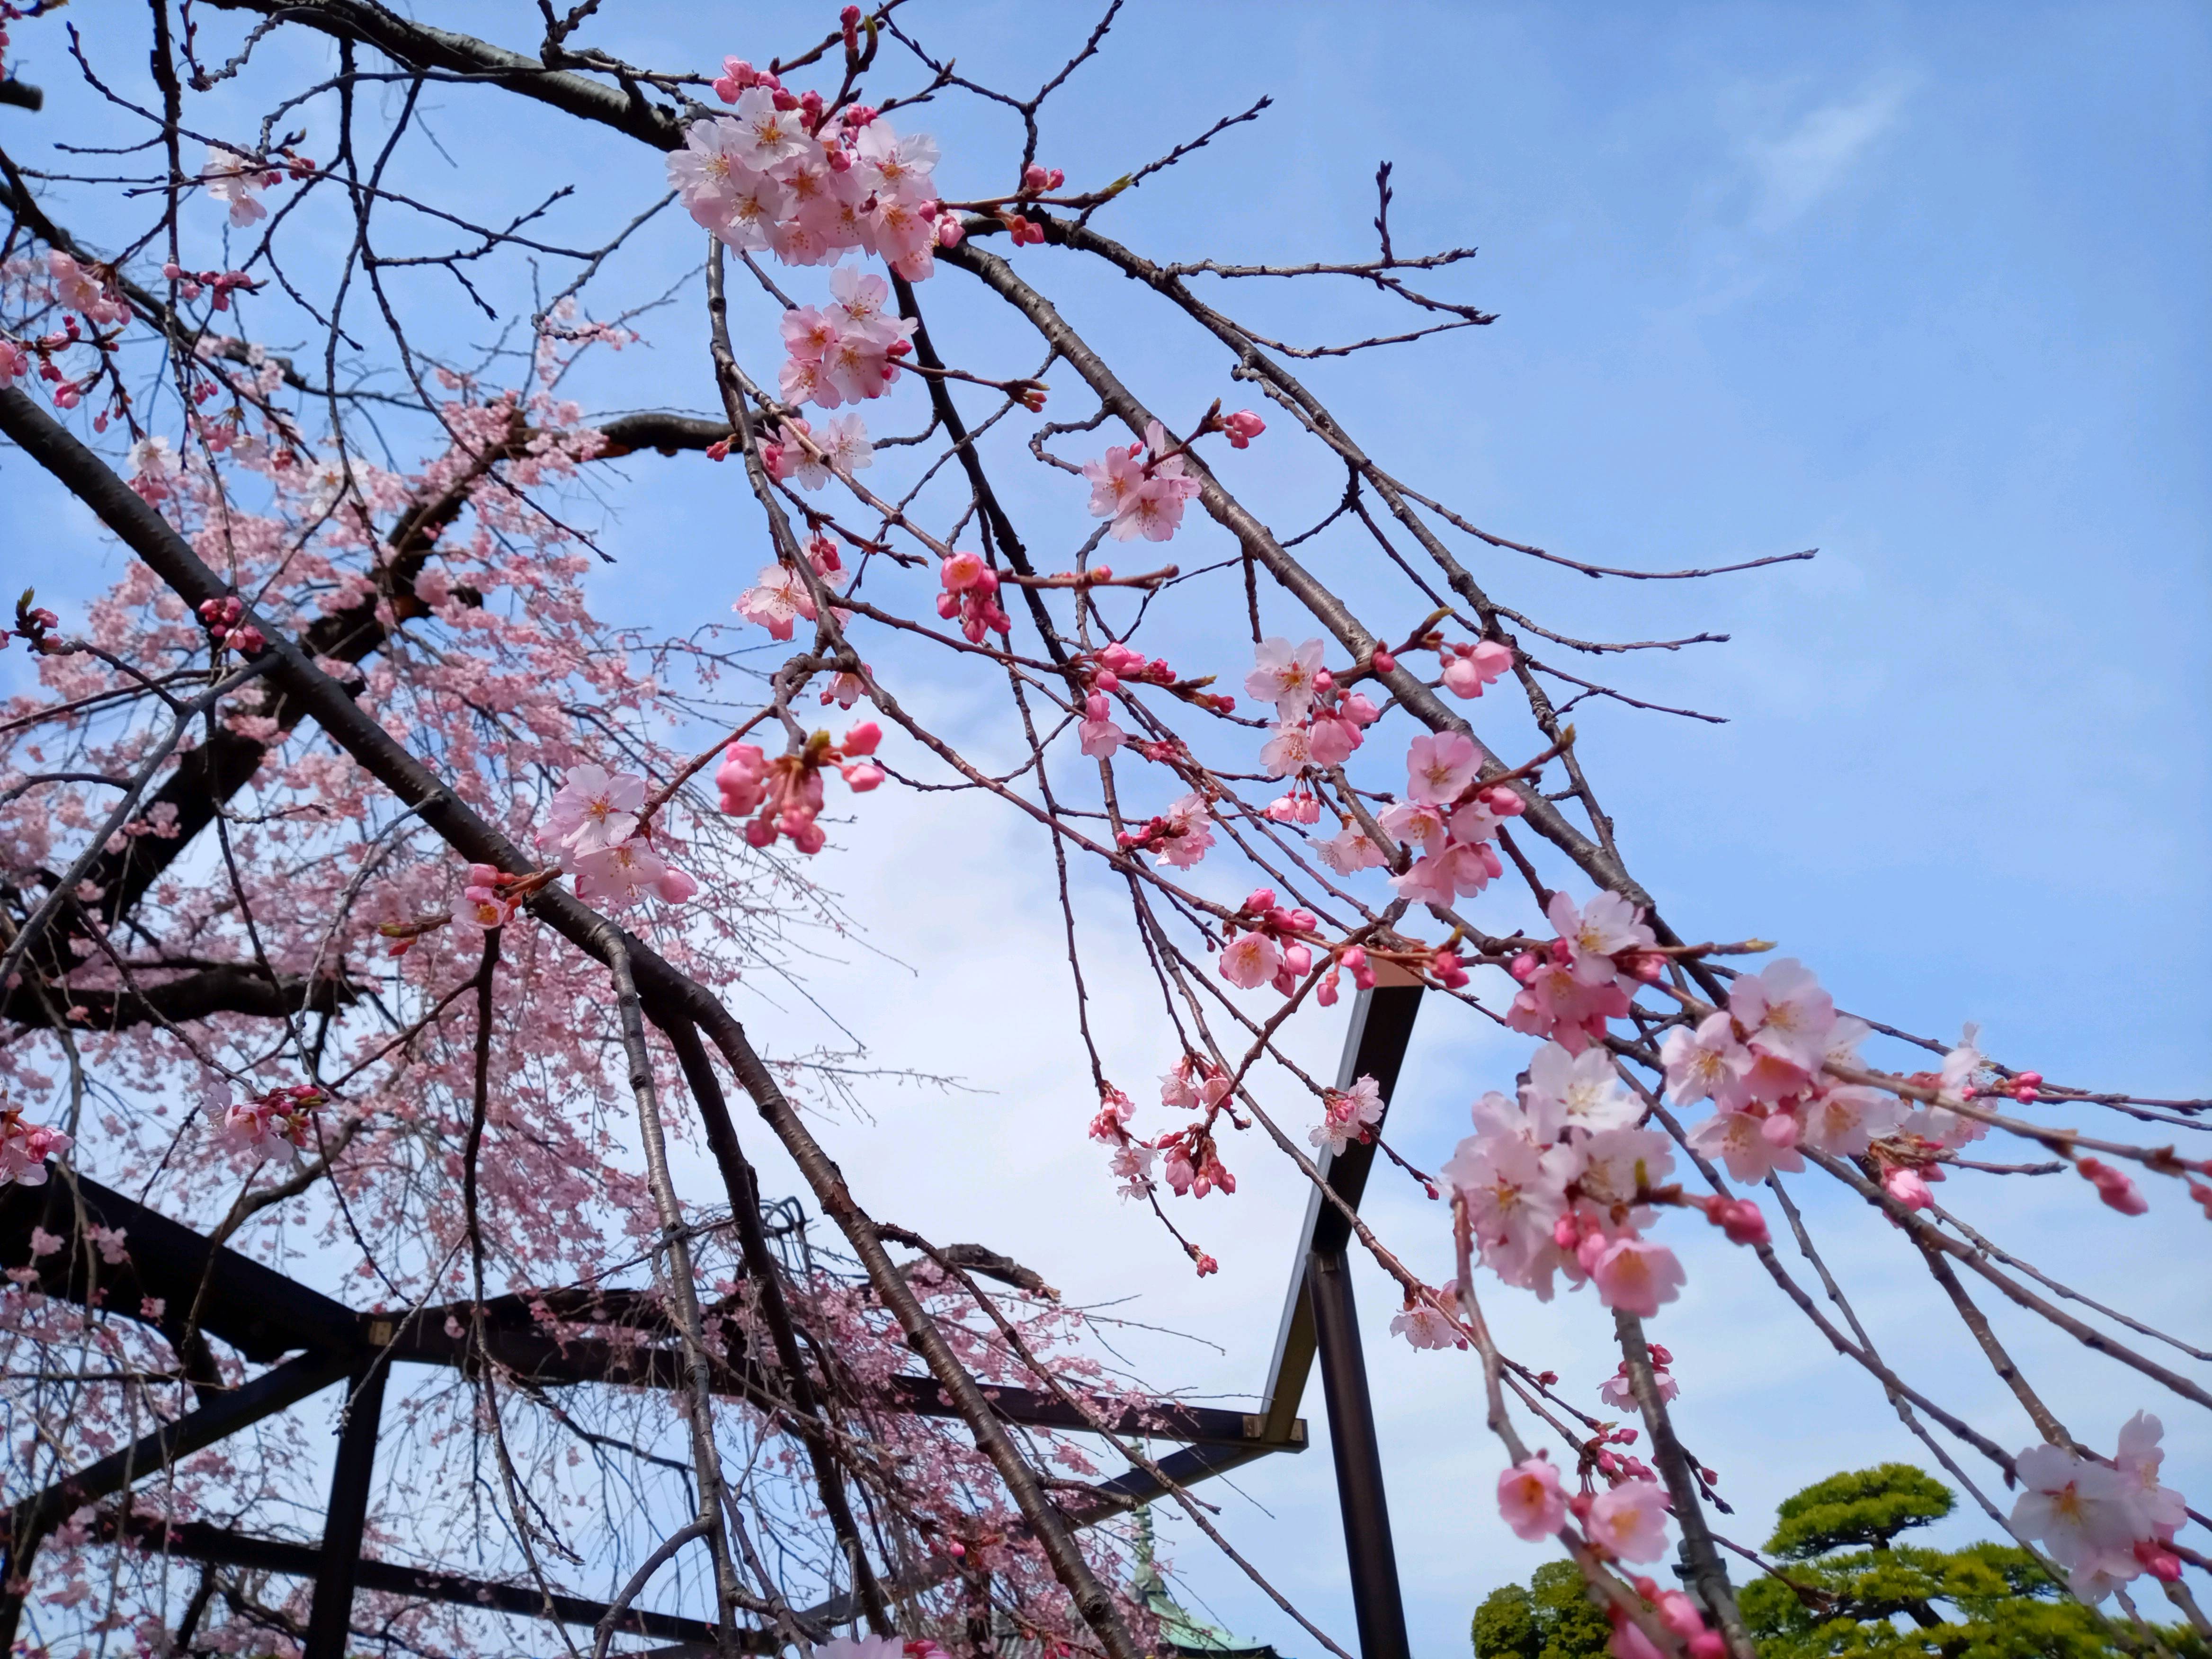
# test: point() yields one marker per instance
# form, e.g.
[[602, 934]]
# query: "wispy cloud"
[[1815, 155]]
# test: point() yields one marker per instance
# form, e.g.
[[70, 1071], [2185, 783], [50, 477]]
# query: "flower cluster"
[[593, 827], [780, 597], [1269, 949], [279, 1122], [221, 617], [1617, 1391], [1318, 723], [1587, 974], [489, 900], [1133, 1157], [1468, 668], [809, 459], [1348, 1115], [1448, 815], [784, 795], [971, 598], [2105, 1524], [1143, 496], [1562, 1181], [25, 1148], [1180, 836], [784, 173], [1762, 1061], [237, 181], [848, 351]]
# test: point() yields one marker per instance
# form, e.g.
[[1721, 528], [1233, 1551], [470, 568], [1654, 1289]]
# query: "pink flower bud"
[[862, 739], [2113, 1187], [674, 887], [948, 231], [1033, 177], [1908, 1188], [862, 775], [1243, 427], [1384, 662]]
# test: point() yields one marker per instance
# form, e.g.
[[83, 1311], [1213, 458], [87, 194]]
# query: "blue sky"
[[1921, 287]]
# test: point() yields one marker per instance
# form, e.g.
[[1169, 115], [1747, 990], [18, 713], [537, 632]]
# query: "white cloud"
[[1815, 155]]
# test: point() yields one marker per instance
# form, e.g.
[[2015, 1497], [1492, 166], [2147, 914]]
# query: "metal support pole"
[[329, 1618], [1376, 1601]]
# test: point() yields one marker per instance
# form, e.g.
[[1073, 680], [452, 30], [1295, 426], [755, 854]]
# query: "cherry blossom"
[[1439, 766], [1243, 427], [1530, 1499], [1250, 960], [777, 601], [593, 811], [25, 1148], [1582, 1090], [1142, 498], [237, 181], [2087, 1515], [1468, 668], [1285, 675], [1619, 1391], [1424, 1325], [1631, 1520], [1636, 1276], [1351, 1116], [1752, 1147]]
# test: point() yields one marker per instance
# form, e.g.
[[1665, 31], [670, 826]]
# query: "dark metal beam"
[[256, 1310], [1320, 1319], [197, 1541], [1374, 1046], [1376, 1602], [331, 1614], [267, 1394]]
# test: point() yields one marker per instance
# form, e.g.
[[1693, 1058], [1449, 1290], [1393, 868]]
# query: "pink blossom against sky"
[[1921, 288]]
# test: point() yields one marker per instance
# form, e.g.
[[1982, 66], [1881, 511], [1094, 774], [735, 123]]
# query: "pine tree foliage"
[[1848, 1590]]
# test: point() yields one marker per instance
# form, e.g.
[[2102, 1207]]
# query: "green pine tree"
[[1854, 1593]]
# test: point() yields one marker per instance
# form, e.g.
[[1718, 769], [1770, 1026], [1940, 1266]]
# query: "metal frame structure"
[[266, 1317]]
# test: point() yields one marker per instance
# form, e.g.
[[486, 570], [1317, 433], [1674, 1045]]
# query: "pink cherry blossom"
[[1636, 1276], [1472, 667], [1348, 1115], [776, 601], [1243, 427], [236, 180], [2139, 1457], [1579, 1092], [1787, 1015], [1738, 1140], [1425, 1325], [1631, 1520], [1844, 1121], [2083, 1512], [25, 1148], [1439, 766], [593, 811], [1701, 1062], [1250, 960], [617, 876], [1287, 752], [1350, 850], [1283, 676], [1598, 932], [1530, 1499]]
